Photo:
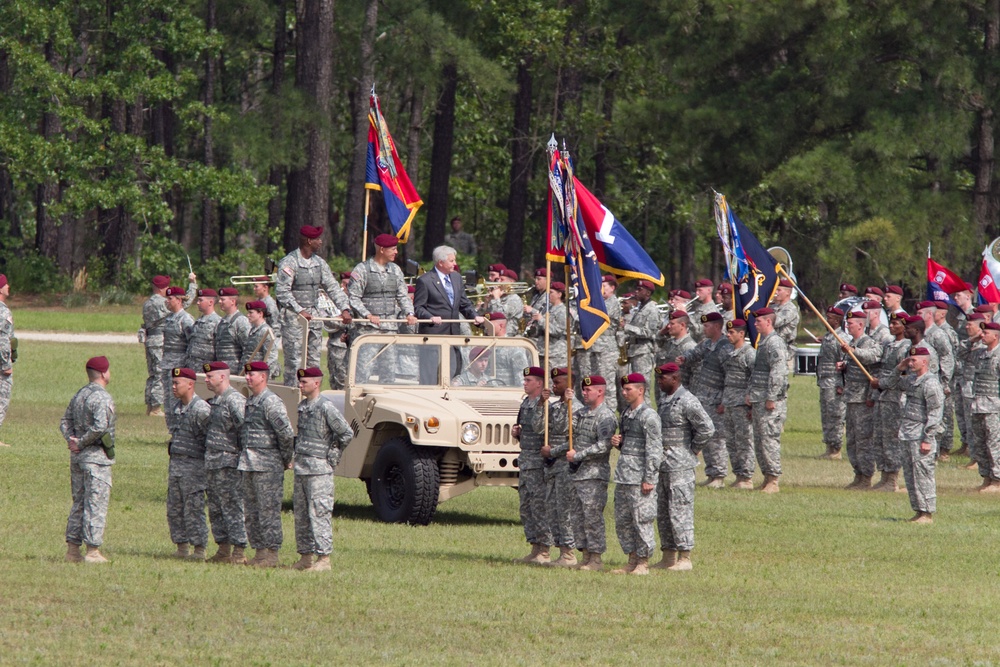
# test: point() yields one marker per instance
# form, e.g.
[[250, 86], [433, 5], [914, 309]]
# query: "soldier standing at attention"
[[336, 344], [589, 467], [560, 500], [786, 318], [857, 396], [920, 425], [888, 449], [261, 344], [877, 331], [222, 458], [830, 381], [88, 427], [703, 305], [947, 440], [737, 424], [201, 337], [937, 338], [323, 435], [726, 301], [609, 343], [531, 480], [677, 344], [985, 408], [963, 299], [8, 351], [262, 292], [640, 334], [636, 475], [186, 481], [502, 301], [176, 329], [767, 396], [893, 299], [969, 351], [154, 312], [557, 326], [231, 334], [266, 452], [301, 275], [686, 428]]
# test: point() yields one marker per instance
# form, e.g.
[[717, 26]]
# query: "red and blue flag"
[[384, 172]]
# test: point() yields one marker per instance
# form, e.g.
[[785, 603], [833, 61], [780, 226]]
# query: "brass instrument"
[[668, 308], [482, 288], [270, 273], [785, 259], [623, 355]]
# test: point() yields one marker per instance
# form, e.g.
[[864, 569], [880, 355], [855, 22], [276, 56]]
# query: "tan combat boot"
[[992, 487], [716, 483], [683, 562], [593, 564], [864, 483], [322, 564], [530, 558], [197, 554], [881, 482], [890, 483], [73, 554], [668, 559], [962, 451], [542, 557], [238, 557], [944, 457], [923, 517], [94, 555], [304, 563], [258, 556], [770, 484], [854, 482], [632, 560], [223, 554], [584, 559], [831, 454], [155, 411], [268, 558], [641, 567], [182, 550], [566, 558], [742, 483]]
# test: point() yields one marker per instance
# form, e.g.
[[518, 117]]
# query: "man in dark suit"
[[440, 295]]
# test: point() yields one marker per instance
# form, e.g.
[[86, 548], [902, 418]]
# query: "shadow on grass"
[[366, 512]]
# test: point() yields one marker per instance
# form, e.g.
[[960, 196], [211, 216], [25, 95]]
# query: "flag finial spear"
[[553, 144]]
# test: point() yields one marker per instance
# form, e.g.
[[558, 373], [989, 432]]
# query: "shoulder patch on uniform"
[[288, 270]]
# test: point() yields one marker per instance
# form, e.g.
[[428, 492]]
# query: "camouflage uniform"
[[737, 422], [969, 353], [201, 341], [336, 355], [408, 357], [607, 352], [272, 315], [323, 435], [297, 289], [832, 408], [881, 335], [888, 448], [222, 458], [938, 338], [698, 308], [266, 443], [922, 409], [378, 290], [707, 385], [560, 500], [557, 336], [669, 349], [638, 463], [532, 331], [261, 345], [861, 418], [154, 312], [786, 326], [686, 428], [640, 334], [985, 409], [175, 345], [512, 306], [531, 481], [769, 382], [6, 360], [186, 479], [231, 340], [590, 471], [962, 415], [90, 417], [508, 365]]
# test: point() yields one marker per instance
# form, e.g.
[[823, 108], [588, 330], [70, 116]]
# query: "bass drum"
[[854, 303]]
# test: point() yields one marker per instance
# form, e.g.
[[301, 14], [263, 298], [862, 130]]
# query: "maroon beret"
[[704, 282], [628, 296], [678, 314], [992, 326], [926, 304], [591, 380], [176, 291], [386, 241], [310, 232], [183, 373], [263, 280], [496, 315], [919, 352], [848, 287], [968, 288], [312, 371], [541, 273], [215, 366], [894, 289], [208, 291], [725, 288], [856, 315], [411, 289], [507, 273], [785, 282], [760, 312], [99, 364], [874, 290], [711, 317], [477, 352], [559, 372], [534, 371], [646, 284], [608, 278], [3, 280], [345, 275], [736, 324], [684, 294], [976, 317], [159, 282], [984, 308], [870, 305], [260, 366], [833, 310], [229, 291], [497, 268], [913, 319], [256, 305], [900, 315], [668, 369], [942, 305], [558, 286], [633, 378]]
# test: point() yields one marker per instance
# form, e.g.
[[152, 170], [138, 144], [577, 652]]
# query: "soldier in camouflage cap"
[[676, 344], [786, 318], [920, 426], [186, 481], [531, 480], [937, 337]]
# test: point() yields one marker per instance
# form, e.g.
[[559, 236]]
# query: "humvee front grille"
[[497, 434], [494, 408]]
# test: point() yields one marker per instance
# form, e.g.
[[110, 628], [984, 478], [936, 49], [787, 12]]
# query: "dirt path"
[[69, 337]]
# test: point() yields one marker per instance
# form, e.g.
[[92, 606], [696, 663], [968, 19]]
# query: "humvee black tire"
[[405, 481]]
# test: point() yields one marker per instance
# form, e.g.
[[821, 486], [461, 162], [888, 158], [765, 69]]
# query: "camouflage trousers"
[[91, 487], [312, 497], [715, 452], [962, 416], [918, 471], [831, 415], [948, 420], [860, 441], [643, 363], [737, 425], [534, 515], [889, 450], [986, 431], [262, 496], [562, 505], [225, 506], [767, 428], [592, 495], [291, 343], [975, 447], [6, 385], [336, 365], [675, 509], [154, 383], [186, 509], [634, 516]]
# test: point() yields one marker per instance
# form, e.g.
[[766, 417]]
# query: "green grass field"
[[813, 575]]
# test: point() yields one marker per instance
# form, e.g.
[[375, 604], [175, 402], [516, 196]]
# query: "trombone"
[[482, 288], [667, 308], [270, 275]]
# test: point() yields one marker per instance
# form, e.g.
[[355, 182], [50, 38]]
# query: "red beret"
[[633, 378], [942, 305], [264, 280], [411, 289], [259, 366], [386, 241], [874, 290], [984, 308], [507, 273], [608, 278], [992, 326], [833, 310], [160, 282], [3, 280], [704, 282], [894, 289], [785, 282], [558, 286], [345, 275], [848, 287], [926, 304], [856, 315], [176, 291], [256, 305], [678, 314], [913, 319], [559, 372], [229, 291], [629, 296], [99, 364], [919, 352], [183, 373], [900, 315], [215, 366], [208, 291], [312, 371], [534, 371], [725, 288], [310, 232], [477, 352], [496, 315], [684, 294], [668, 369], [976, 317], [591, 380], [541, 273], [871, 305], [498, 268], [645, 284], [711, 317], [736, 324], [760, 312]]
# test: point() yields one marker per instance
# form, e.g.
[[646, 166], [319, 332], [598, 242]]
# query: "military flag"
[[942, 281], [988, 276], [384, 173]]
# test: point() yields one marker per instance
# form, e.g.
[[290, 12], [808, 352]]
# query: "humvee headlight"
[[470, 433], [432, 425]]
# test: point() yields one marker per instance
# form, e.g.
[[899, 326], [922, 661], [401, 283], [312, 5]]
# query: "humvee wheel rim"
[[395, 486]]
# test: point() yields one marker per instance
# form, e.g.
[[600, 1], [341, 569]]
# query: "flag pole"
[[569, 358], [822, 319], [545, 380], [364, 238]]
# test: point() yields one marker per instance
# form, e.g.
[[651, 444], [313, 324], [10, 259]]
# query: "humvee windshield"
[[407, 363]]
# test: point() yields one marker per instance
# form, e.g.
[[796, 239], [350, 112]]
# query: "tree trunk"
[[603, 143], [520, 169], [687, 241], [47, 192], [983, 207], [416, 98], [208, 217], [441, 154], [354, 205], [276, 175], [7, 211], [309, 185]]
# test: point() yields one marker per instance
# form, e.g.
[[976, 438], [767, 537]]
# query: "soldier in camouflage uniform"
[[531, 481], [677, 343], [640, 334], [560, 500], [686, 429], [726, 302], [539, 304], [914, 332], [8, 351], [857, 394], [767, 396], [154, 312], [831, 387], [336, 345], [301, 275], [963, 298], [637, 473], [261, 344], [590, 469], [893, 299], [222, 459], [937, 337], [201, 337], [737, 424], [985, 408], [323, 435], [889, 452], [877, 331], [920, 426], [556, 322], [176, 328], [786, 318], [704, 304], [186, 480], [608, 345], [266, 451], [476, 372], [408, 356], [262, 292], [510, 305], [88, 426], [950, 389], [968, 353], [508, 362], [231, 334], [707, 386]]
